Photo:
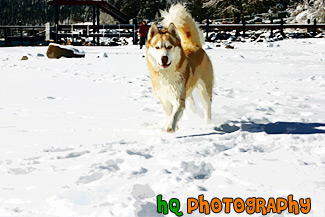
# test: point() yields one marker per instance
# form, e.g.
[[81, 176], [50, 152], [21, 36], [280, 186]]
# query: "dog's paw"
[[171, 129]]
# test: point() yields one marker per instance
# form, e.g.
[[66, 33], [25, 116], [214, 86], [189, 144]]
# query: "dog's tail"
[[188, 30]]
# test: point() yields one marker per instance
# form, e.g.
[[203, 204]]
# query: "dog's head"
[[163, 46]]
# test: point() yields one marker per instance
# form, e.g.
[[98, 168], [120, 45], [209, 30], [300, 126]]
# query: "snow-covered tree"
[[239, 8], [309, 10], [226, 7], [197, 10]]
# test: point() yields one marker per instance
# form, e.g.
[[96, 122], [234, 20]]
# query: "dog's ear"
[[152, 31], [172, 30]]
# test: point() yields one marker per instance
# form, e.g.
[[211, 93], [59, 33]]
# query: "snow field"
[[83, 137]]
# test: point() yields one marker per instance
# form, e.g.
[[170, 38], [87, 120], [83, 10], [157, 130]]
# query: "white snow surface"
[[84, 137]]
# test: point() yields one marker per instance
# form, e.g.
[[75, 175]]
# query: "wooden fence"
[[35, 35]]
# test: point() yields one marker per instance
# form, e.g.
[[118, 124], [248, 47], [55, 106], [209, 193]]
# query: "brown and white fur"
[[178, 64]]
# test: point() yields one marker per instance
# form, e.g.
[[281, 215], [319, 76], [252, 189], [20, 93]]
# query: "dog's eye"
[[169, 47], [157, 47]]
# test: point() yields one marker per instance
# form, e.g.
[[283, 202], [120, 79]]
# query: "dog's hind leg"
[[192, 104], [205, 90]]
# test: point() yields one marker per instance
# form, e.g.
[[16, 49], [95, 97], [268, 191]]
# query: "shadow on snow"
[[270, 128]]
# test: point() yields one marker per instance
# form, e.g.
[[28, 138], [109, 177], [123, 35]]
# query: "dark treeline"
[[37, 12]]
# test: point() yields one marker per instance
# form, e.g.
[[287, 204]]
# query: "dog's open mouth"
[[165, 65]]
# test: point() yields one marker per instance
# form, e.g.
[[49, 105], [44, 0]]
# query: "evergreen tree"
[[198, 11]]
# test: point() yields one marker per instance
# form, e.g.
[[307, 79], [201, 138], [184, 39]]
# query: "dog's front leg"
[[175, 116]]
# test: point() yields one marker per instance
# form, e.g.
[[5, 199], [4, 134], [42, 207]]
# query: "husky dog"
[[178, 64]]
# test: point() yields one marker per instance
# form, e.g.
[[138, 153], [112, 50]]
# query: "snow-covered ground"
[[83, 137]]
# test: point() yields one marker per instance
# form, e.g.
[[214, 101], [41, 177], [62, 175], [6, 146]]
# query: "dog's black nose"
[[164, 60]]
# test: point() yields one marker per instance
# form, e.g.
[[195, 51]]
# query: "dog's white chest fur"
[[169, 87]]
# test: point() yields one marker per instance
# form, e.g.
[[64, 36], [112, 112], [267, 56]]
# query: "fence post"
[[34, 39], [6, 37], [207, 30], [135, 28], [47, 31], [20, 33], [281, 28], [271, 27], [56, 22], [94, 23], [315, 28], [244, 24], [97, 29]]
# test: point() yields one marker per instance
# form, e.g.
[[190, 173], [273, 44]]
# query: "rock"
[[102, 55], [213, 37], [253, 38], [240, 39], [207, 47], [56, 51], [269, 45], [260, 40], [221, 36], [24, 58], [232, 38], [320, 35], [228, 46]]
